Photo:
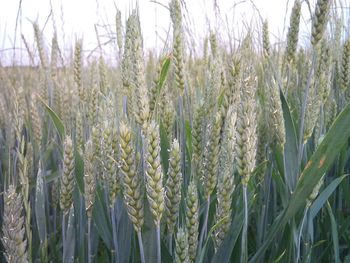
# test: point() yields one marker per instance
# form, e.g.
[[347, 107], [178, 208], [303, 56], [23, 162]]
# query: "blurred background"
[[88, 19]]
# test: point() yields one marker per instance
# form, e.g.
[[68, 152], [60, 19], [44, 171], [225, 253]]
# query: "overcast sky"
[[76, 19]]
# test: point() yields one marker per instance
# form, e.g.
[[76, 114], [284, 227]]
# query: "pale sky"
[[76, 19]]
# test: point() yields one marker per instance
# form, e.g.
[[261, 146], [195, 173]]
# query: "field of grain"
[[238, 154]]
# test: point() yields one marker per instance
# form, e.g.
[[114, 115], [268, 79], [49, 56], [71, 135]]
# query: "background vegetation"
[[236, 155]]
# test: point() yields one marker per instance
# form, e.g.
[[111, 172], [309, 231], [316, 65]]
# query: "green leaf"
[[290, 147], [221, 98], [319, 163], [188, 133], [163, 74], [80, 226], [323, 197], [166, 257], [101, 218], [149, 235], [223, 254], [205, 247], [280, 257], [335, 237], [70, 239], [55, 119], [280, 186], [79, 171], [54, 175], [125, 231]]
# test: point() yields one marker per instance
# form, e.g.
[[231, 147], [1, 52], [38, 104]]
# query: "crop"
[[234, 154]]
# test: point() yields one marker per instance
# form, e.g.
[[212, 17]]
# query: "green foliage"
[[298, 195]]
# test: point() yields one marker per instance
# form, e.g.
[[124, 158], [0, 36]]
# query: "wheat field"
[[237, 154]]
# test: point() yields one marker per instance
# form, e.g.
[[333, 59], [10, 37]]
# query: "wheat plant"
[[220, 147]]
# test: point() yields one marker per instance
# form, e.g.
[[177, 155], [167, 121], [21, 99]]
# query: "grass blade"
[[290, 147], [70, 240], [319, 163], [55, 119], [163, 74], [323, 197], [101, 218], [79, 171], [335, 237]]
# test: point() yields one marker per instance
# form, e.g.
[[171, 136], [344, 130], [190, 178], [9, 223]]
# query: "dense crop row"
[[226, 157]]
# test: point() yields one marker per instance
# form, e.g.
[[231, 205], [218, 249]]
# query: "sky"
[[75, 19]]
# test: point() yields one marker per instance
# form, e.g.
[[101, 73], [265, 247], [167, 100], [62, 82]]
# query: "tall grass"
[[237, 155]]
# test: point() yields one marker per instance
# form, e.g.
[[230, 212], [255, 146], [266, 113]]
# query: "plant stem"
[[89, 241], [54, 214], [28, 229], [114, 229], [159, 252], [244, 250], [205, 224], [170, 243], [142, 253], [64, 234], [301, 233], [309, 241]]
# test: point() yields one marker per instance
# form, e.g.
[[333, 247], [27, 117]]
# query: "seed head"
[[132, 183], [67, 177], [181, 249], [192, 219], [154, 174], [319, 20], [89, 179], [246, 132], [173, 186], [13, 239]]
